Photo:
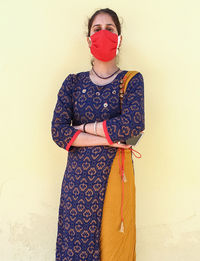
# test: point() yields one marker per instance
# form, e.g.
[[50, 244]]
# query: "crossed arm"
[[89, 138]]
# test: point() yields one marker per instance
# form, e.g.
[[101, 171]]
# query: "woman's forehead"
[[103, 19]]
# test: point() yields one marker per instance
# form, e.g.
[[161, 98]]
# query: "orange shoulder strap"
[[127, 78]]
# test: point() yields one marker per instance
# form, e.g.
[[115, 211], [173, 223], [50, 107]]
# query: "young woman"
[[97, 202]]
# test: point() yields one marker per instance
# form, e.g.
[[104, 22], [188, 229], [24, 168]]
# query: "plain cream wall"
[[41, 43]]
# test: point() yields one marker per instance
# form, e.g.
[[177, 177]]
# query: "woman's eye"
[[98, 29]]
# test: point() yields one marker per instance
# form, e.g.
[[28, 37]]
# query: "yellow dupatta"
[[117, 246]]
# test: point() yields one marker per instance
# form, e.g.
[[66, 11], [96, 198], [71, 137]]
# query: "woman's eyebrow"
[[100, 24]]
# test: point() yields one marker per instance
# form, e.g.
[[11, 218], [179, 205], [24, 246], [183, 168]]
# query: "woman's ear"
[[89, 41], [120, 41]]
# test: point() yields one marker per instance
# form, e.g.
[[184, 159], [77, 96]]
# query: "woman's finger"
[[120, 145]]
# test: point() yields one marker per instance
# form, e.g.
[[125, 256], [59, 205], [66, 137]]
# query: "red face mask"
[[104, 45]]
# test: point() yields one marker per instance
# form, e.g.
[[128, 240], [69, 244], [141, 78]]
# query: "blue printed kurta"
[[80, 101]]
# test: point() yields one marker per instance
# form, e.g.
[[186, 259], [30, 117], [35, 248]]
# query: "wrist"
[[83, 127], [95, 127], [99, 129], [90, 128]]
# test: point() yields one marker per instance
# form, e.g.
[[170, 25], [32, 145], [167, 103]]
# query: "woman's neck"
[[105, 68]]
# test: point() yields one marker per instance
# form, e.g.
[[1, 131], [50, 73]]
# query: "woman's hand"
[[79, 127], [120, 145]]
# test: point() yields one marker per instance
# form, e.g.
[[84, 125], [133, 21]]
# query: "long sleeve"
[[131, 120], [62, 133]]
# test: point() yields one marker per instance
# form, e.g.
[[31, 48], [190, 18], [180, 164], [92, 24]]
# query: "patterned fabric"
[[62, 132], [84, 183], [131, 121]]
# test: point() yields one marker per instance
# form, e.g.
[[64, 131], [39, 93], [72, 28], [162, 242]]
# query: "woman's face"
[[102, 22]]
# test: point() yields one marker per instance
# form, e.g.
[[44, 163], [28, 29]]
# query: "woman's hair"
[[106, 11]]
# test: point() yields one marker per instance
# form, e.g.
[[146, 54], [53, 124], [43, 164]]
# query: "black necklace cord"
[[105, 77]]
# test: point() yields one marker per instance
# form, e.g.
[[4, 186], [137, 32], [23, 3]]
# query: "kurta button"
[[75, 102], [121, 81], [105, 104], [97, 93], [114, 91], [84, 90], [120, 85]]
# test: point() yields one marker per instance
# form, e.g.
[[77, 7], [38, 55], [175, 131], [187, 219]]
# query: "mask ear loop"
[[90, 41], [118, 42]]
